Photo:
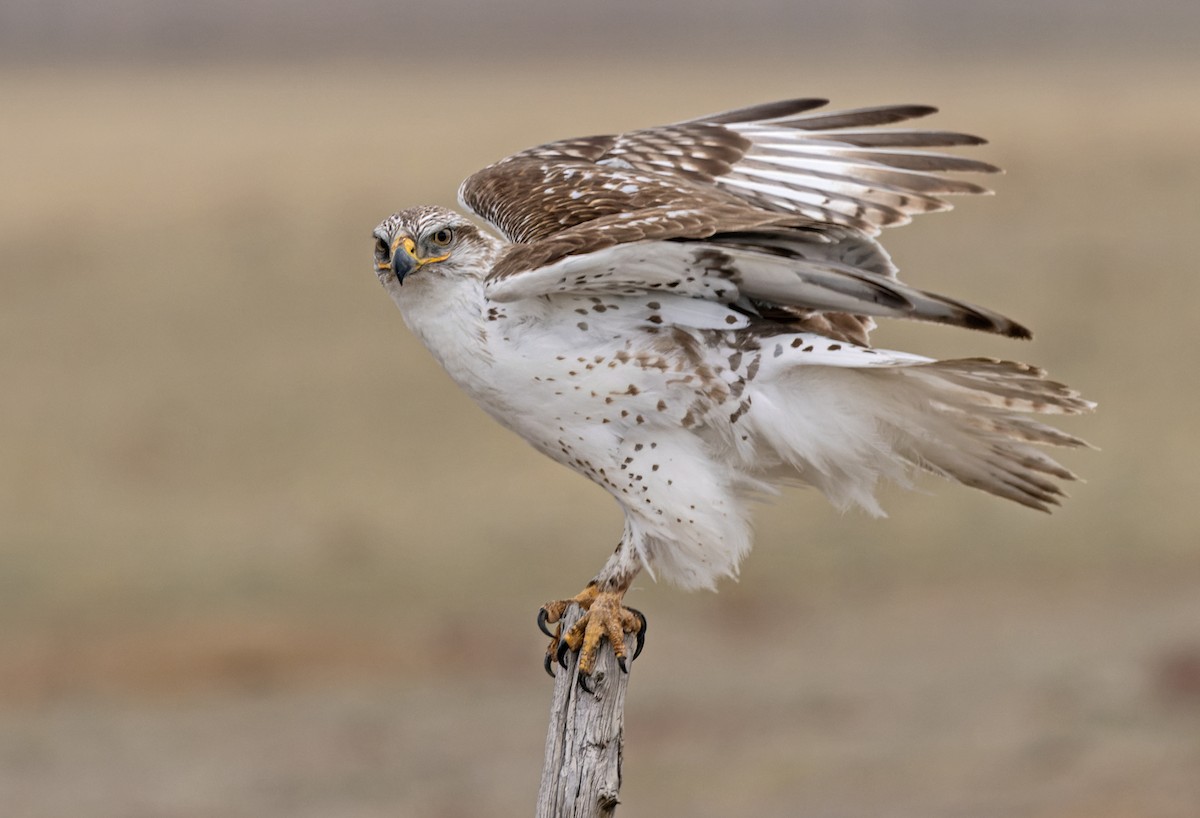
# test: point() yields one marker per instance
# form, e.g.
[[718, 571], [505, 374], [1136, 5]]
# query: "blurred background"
[[259, 557]]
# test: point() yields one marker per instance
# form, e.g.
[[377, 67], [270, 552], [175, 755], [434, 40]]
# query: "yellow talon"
[[604, 617]]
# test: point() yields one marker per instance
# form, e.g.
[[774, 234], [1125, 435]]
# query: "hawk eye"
[[382, 249], [443, 237]]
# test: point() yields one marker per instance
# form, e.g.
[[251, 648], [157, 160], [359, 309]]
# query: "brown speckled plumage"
[[682, 314]]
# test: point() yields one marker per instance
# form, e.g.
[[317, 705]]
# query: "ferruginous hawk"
[[682, 315]]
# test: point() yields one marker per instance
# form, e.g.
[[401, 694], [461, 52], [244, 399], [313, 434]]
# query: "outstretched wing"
[[774, 206], [830, 167]]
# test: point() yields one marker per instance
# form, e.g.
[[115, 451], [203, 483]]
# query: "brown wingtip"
[[766, 111], [1018, 331], [978, 319]]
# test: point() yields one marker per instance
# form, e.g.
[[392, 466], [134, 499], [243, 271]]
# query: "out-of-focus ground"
[[258, 557]]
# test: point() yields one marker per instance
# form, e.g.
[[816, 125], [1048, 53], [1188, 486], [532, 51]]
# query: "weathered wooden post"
[[581, 775]]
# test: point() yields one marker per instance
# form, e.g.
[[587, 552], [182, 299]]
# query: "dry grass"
[[255, 549]]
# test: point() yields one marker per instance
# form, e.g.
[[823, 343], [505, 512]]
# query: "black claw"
[[583, 680], [621, 664], [641, 634], [547, 664], [561, 653], [542, 619]]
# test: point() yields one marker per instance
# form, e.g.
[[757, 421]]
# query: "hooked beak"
[[404, 259]]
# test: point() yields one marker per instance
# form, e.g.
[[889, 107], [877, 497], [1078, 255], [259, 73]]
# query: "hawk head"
[[430, 242]]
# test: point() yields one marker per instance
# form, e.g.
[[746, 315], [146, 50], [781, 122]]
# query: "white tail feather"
[[841, 429]]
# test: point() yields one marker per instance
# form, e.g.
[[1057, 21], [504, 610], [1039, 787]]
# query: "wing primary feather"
[[792, 283], [845, 186], [822, 165], [763, 112], [900, 157], [896, 137], [858, 117]]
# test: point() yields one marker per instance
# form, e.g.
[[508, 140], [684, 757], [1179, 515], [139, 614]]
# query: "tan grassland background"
[[258, 557]]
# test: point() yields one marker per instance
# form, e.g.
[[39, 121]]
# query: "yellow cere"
[[410, 247]]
